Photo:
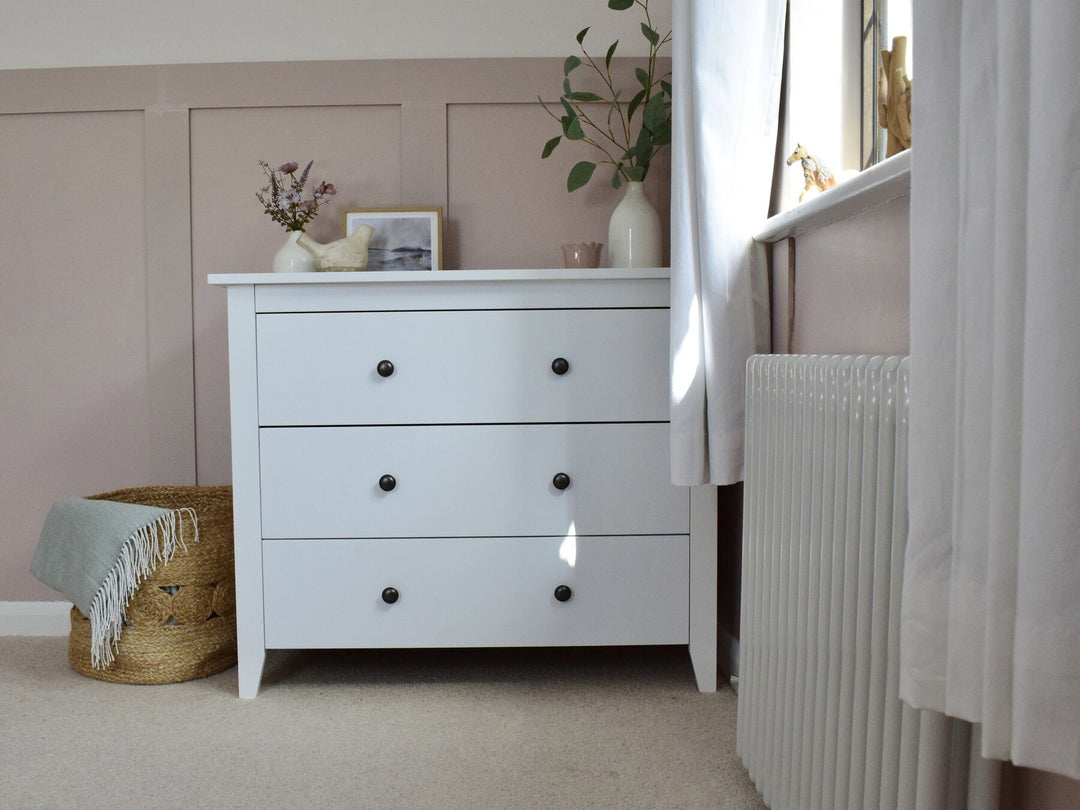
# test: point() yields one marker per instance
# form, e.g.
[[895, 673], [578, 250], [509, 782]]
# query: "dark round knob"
[[560, 365], [561, 480], [387, 483], [385, 368], [563, 593], [390, 595]]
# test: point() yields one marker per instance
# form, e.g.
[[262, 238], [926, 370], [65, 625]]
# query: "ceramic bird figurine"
[[350, 253]]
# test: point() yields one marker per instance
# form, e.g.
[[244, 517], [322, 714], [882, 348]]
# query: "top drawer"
[[462, 367]]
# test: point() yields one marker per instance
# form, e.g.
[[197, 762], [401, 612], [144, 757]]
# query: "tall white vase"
[[634, 230], [292, 258]]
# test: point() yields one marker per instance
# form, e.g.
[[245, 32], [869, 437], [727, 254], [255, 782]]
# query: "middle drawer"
[[469, 480]]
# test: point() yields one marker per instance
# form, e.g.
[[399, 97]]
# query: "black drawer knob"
[[563, 593], [390, 595], [561, 481], [560, 365], [385, 368], [387, 483]]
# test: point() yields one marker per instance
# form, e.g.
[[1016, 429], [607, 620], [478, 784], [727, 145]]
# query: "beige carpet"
[[546, 729]]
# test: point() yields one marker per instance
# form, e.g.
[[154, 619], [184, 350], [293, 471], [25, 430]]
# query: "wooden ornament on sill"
[[894, 97]]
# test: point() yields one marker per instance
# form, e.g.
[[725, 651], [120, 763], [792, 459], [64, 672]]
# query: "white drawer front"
[[469, 480], [476, 592], [458, 367]]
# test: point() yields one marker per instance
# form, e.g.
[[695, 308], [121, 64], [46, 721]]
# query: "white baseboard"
[[35, 618]]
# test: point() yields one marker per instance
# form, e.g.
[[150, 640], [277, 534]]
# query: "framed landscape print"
[[404, 238]]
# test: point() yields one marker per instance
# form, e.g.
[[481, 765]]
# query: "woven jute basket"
[[181, 621]]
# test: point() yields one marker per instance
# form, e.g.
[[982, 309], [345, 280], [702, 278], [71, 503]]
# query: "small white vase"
[[634, 230], [292, 258]]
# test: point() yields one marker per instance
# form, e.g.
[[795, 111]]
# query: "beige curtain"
[[728, 60], [991, 604]]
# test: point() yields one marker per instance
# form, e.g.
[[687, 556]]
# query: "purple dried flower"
[[303, 177], [283, 199]]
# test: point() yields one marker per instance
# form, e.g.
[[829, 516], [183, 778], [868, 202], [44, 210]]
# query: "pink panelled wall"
[[74, 358], [125, 187]]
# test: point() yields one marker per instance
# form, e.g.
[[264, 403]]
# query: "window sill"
[[886, 181]]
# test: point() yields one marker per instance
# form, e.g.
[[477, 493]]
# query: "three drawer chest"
[[461, 459]]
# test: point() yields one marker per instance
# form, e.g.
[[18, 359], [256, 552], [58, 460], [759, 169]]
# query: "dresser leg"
[[704, 662], [249, 667]]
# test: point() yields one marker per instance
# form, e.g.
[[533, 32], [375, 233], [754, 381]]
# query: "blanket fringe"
[[154, 544]]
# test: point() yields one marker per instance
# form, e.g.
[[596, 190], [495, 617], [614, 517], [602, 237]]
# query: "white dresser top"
[[442, 276]]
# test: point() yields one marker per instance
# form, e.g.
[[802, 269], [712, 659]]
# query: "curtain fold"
[[990, 626], [727, 66]]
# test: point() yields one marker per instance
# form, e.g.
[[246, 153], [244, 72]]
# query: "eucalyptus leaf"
[[610, 53], [666, 87], [643, 148], [580, 175], [616, 179], [655, 112], [643, 77], [652, 36], [573, 130], [662, 136], [581, 34], [581, 95], [566, 87], [635, 102], [620, 5], [570, 63], [549, 147], [636, 173]]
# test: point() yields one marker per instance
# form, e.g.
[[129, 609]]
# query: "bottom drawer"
[[476, 592]]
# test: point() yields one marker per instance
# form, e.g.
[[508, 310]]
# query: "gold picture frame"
[[404, 238]]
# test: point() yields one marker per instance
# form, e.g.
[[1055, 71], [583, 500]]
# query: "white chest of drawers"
[[460, 459]]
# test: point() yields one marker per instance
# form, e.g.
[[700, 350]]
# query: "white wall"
[[78, 33]]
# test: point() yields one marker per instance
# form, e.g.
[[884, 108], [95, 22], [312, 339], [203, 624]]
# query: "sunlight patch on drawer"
[[568, 549]]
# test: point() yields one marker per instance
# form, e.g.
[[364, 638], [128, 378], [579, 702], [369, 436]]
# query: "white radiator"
[[820, 721]]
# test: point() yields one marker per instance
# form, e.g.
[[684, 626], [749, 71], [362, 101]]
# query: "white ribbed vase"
[[634, 230], [292, 258]]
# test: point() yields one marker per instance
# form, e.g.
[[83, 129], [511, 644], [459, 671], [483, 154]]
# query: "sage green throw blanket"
[[96, 553]]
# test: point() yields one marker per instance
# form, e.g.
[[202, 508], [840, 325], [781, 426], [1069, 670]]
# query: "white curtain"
[[728, 60], [991, 603]]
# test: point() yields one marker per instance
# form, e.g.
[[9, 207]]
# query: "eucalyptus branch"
[[605, 76], [632, 155], [587, 139], [605, 133]]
